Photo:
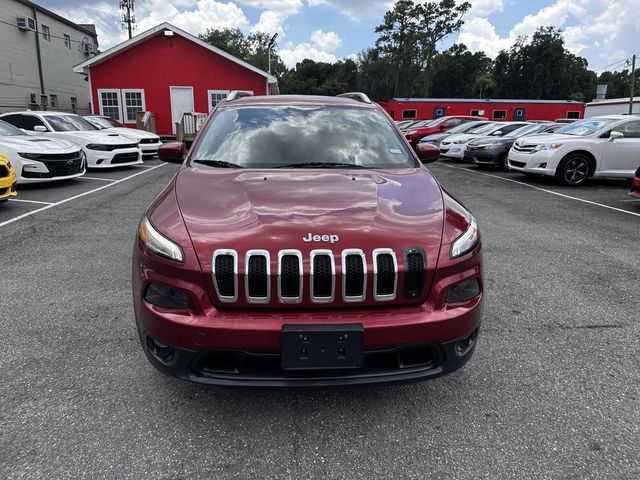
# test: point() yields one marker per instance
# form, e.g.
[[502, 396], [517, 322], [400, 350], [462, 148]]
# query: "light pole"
[[269, 47], [633, 82]]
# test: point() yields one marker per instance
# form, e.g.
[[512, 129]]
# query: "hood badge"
[[320, 238]]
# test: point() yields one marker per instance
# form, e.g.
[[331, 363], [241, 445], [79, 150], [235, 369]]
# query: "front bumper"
[[245, 369], [8, 186], [541, 163], [488, 156], [150, 149], [453, 151], [116, 158], [635, 188]]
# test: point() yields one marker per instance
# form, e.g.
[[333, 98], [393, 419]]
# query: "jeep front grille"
[[317, 280]]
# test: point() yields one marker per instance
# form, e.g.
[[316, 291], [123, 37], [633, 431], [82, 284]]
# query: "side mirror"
[[172, 152], [615, 135], [443, 127], [497, 134], [427, 152], [40, 128]]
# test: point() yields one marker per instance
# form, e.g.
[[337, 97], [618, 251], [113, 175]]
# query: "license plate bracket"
[[322, 347]]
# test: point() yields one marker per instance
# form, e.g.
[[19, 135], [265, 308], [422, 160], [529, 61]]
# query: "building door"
[[519, 114], [181, 102], [438, 112]]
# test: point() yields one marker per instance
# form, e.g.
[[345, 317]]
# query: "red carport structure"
[[167, 72]]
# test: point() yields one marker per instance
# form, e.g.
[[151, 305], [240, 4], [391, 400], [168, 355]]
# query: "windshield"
[[485, 128], [522, 131], [105, 122], [585, 127], [424, 123], [69, 123], [268, 137], [8, 130], [468, 127]]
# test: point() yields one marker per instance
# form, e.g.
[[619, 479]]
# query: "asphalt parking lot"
[[553, 391]]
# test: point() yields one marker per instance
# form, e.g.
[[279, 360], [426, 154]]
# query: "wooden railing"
[[189, 125], [146, 121]]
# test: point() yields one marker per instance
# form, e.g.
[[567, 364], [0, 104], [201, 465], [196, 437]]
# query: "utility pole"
[[128, 17], [270, 47], [633, 82]]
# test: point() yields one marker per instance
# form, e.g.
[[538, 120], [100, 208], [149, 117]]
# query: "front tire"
[[573, 170]]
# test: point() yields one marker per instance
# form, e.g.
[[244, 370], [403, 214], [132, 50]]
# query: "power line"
[[617, 63]]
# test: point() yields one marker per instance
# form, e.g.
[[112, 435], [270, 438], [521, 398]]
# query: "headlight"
[[158, 243], [547, 146], [467, 241], [30, 156], [102, 148]]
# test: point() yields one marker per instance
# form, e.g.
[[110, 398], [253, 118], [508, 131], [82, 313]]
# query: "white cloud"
[[320, 49], [356, 9], [484, 8], [479, 35], [327, 41], [279, 6], [271, 22]]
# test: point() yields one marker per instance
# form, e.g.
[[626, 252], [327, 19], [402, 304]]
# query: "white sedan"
[[607, 146], [103, 149], [455, 145], [40, 159], [149, 142]]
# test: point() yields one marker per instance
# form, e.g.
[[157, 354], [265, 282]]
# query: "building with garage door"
[[38, 50], [501, 109], [167, 72]]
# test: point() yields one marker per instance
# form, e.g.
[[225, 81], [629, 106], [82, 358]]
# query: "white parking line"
[[542, 189], [29, 201], [19, 217], [84, 177]]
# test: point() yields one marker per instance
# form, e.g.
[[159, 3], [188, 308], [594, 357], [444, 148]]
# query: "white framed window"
[[477, 113], [67, 41], [216, 96], [46, 33], [74, 104], [499, 114], [53, 101], [573, 114], [133, 102], [409, 114], [110, 103]]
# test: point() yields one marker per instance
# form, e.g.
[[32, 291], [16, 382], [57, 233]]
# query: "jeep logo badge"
[[320, 238]]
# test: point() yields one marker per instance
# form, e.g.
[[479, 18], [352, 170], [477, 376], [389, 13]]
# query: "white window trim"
[[124, 106], [415, 116], [493, 115], [573, 111], [111, 90], [209, 92]]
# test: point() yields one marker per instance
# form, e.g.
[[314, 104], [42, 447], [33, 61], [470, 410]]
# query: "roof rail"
[[357, 96], [236, 94]]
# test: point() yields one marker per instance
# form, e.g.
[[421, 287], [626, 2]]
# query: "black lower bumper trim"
[[407, 363]]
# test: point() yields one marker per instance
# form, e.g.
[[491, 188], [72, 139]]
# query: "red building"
[[426, 108], [167, 71]]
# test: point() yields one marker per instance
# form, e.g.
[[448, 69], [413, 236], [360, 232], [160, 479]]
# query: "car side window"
[[13, 120], [453, 122], [630, 129], [29, 122]]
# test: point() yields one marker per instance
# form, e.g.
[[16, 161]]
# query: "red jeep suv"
[[302, 243], [421, 129]]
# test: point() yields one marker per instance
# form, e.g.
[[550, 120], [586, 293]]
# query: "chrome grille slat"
[[354, 293], [222, 276], [288, 270], [254, 292], [319, 271], [385, 274]]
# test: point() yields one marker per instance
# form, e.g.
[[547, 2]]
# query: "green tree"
[[231, 40], [455, 72], [484, 84], [398, 38], [437, 20]]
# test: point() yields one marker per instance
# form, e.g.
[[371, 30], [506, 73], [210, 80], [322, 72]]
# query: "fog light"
[[162, 352], [465, 344], [166, 297], [543, 165], [464, 291]]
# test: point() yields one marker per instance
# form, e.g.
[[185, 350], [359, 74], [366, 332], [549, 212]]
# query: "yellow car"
[[7, 179]]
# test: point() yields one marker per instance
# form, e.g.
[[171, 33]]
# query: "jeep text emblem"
[[320, 238]]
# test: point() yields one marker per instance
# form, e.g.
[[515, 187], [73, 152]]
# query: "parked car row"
[[45, 146], [598, 147]]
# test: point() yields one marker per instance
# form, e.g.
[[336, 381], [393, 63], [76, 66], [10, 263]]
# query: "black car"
[[492, 151], [467, 127]]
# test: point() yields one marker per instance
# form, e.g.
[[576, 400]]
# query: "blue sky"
[[603, 31]]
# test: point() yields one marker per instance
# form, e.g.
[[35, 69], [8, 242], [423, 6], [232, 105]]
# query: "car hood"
[[436, 136], [131, 132], [549, 138], [95, 136], [274, 210], [36, 144], [465, 137], [491, 140]]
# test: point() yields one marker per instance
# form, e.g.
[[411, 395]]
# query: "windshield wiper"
[[320, 165], [218, 163]]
